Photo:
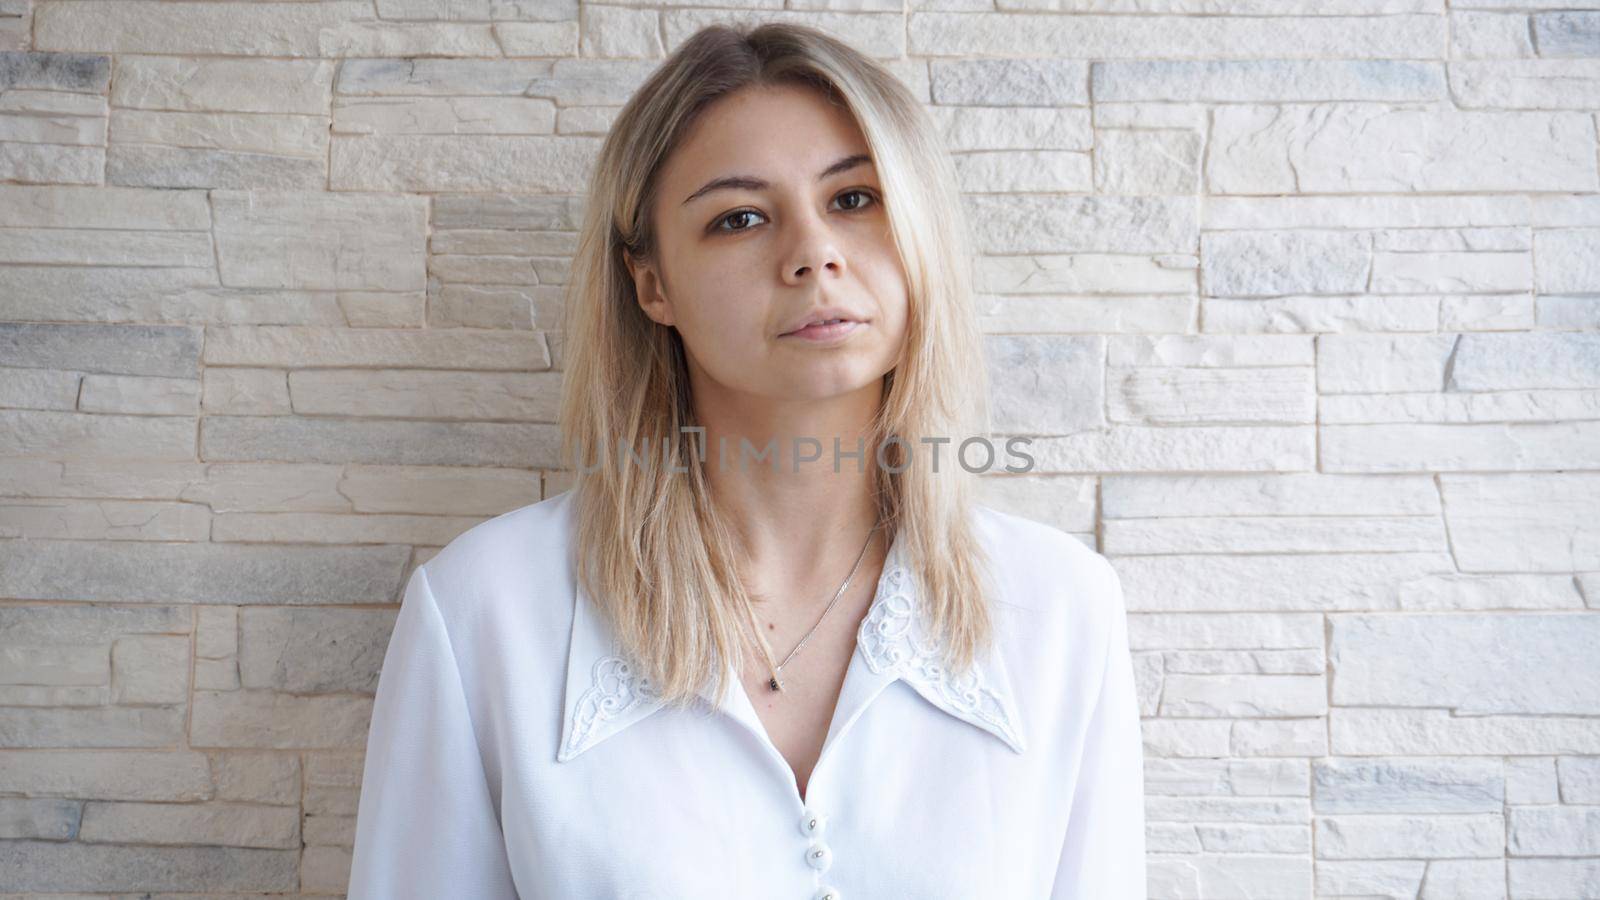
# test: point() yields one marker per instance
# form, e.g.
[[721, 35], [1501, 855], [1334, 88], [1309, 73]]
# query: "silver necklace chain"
[[774, 683]]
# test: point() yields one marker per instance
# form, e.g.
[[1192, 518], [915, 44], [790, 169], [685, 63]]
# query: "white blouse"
[[513, 753]]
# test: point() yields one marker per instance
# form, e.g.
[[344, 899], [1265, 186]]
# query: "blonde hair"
[[653, 551]]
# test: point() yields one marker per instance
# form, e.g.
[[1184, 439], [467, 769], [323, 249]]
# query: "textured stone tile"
[[1055, 383], [1129, 448], [47, 820], [472, 162], [74, 866], [1428, 732], [86, 436], [1267, 81], [1403, 785], [124, 572], [1539, 360], [1530, 878], [267, 719], [299, 439], [190, 28], [212, 824], [218, 83], [318, 240], [1567, 33], [1516, 446], [1030, 224], [1579, 779], [1410, 836], [1412, 660], [1243, 696], [1526, 84], [98, 726], [520, 396], [1554, 831], [169, 351], [1274, 582], [82, 72], [1223, 36], [1350, 148], [1529, 522], [1148, 395], [313, 651]]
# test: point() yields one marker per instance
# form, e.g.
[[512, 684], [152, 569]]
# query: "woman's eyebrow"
[[752, 183]]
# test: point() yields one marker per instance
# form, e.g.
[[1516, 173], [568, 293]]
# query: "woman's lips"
[[826, 333]]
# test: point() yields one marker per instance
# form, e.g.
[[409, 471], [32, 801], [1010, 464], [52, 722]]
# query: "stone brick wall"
[[1302, 297]]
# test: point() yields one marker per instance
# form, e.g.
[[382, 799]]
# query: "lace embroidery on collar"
[[615, 688], [893, 639]]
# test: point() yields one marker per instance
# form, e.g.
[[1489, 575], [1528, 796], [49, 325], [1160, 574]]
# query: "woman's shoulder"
[[520, 556], [1045, 570]]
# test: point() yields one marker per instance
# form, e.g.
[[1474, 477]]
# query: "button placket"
[[819, 856], [812, 823]]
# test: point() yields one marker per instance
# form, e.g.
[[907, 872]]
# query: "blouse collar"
[[605, 692]]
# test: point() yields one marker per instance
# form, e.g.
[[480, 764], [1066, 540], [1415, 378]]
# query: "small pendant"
[[774, 683]]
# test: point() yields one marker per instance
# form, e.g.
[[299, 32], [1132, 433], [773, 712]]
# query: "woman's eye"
[[738, 213], [862, 193], [734, 215]]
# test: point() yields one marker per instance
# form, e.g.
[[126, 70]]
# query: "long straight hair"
[[654, 552]]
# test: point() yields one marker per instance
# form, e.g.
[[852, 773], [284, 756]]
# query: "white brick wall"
[[1308, 294]]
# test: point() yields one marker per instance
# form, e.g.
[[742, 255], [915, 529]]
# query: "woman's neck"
[[801, 530]]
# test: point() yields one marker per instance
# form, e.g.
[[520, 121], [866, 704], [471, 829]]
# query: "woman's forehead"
[[769, 133]]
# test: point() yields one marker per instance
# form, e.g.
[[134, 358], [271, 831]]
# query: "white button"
[[827, 893], [818, 856], [812, 824]]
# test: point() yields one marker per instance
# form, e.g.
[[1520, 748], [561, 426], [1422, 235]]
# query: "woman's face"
[[768, 213]]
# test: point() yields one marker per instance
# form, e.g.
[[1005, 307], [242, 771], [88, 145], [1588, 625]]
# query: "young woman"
[[767, 646]]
